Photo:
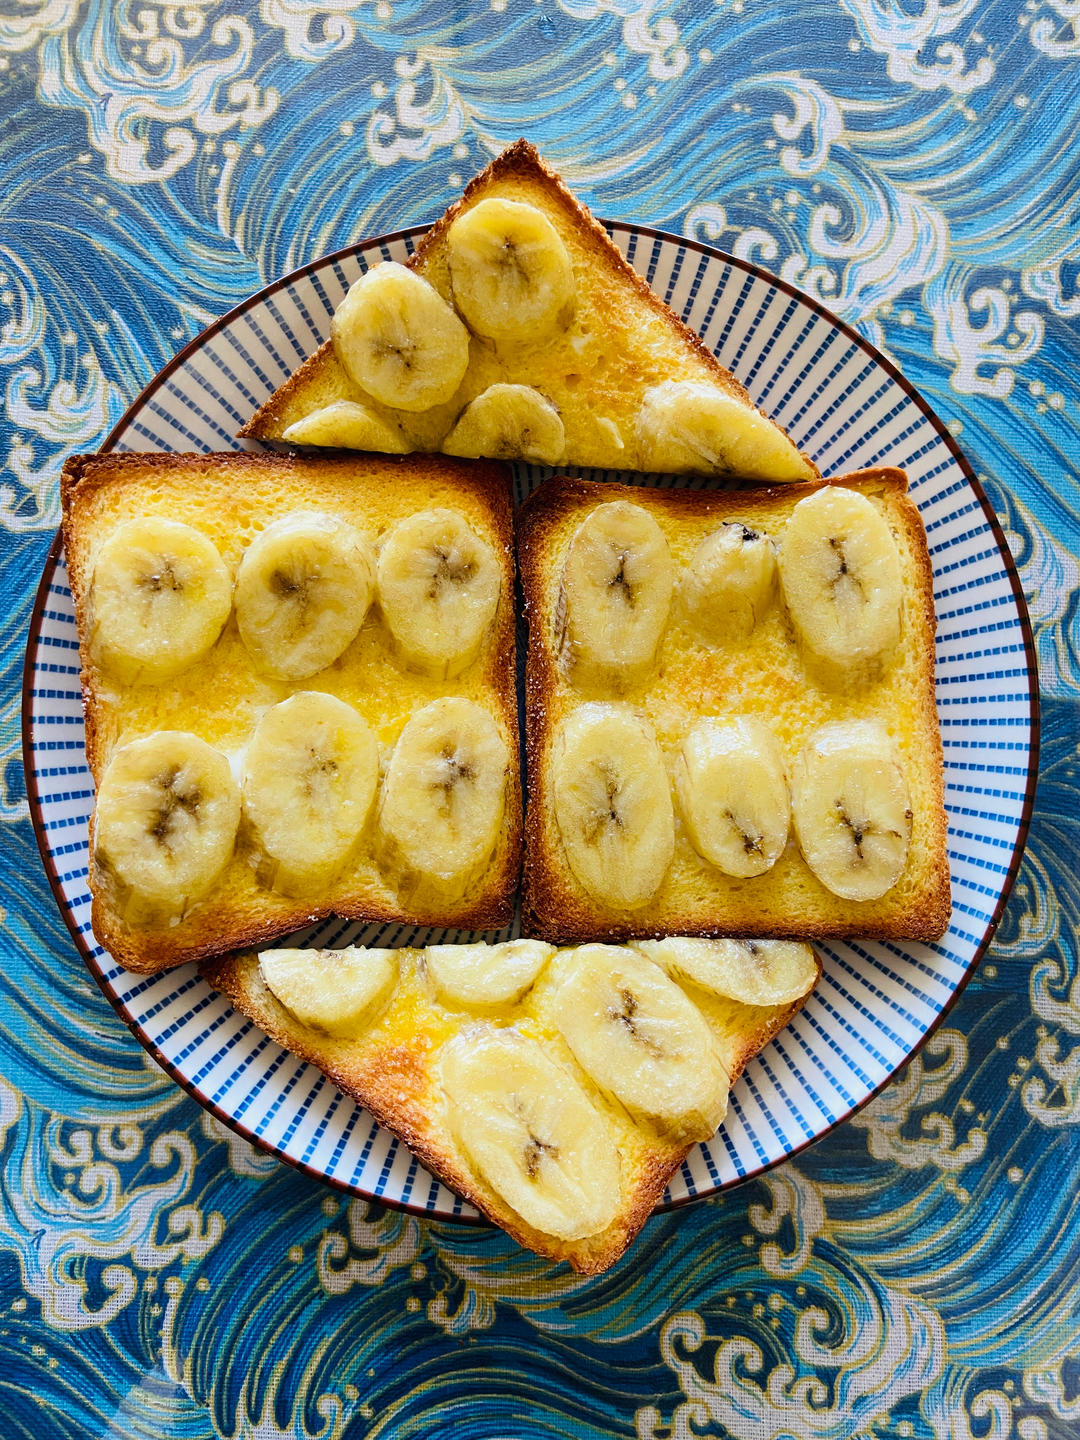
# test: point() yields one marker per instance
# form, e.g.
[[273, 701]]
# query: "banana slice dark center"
[[861, 829], [174, 798], [625, 1014], [163, 578], [752, 839], [451, 568], [844, 579], [619, 581]]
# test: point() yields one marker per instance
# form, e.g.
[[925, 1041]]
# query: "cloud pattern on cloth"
[[915, 1273]]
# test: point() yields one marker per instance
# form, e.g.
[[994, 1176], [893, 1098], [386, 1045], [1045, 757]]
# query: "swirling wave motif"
[[914, 1274]]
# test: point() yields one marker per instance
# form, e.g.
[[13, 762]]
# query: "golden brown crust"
[[227, 921], [395, 1081], [608, 272], [554, 905]]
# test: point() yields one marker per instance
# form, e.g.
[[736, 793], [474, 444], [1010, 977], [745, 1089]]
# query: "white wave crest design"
[[297, 21], [1045, 33], [1046, 1386], [24, 31], [969, 347], [244, 1159], [56, 1226], [891, 30], [76, 416], [1054, 1097], [814, 110], [417, 127], [127, 70], [1045, 283], [646, 31], [799, 1200], [1050, 574], [877, 243], [893, 1347], [386, 1239], [886, 1118]]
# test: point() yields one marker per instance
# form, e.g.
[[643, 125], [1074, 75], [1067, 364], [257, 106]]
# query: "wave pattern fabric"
[[915, 1274]]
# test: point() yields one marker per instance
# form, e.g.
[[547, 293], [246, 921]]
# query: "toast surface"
[[622, 341], [392, 1069], [221, 697], [765, 677]]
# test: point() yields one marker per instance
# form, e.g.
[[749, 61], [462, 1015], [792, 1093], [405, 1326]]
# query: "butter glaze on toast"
[[765, 677], [622, 341], [392, 1070], [231, 497]]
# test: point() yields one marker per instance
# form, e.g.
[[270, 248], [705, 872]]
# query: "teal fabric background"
[[914, 166]]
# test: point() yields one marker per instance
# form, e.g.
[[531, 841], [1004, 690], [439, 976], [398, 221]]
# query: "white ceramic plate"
[[844, 404]]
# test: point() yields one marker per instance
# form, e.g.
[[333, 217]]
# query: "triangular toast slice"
[[557, 1091], [614, 378]]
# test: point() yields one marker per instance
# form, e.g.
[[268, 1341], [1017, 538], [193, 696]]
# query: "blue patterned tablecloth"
[[916, 166]]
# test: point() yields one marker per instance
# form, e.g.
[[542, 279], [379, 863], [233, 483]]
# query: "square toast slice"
[[621, 343], [393, 1063], [765, 676], [231, 499]]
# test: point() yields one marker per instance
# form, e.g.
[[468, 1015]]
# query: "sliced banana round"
[[639, 1038], [398, 339], [302, 590], [692, 426], [852, 808], [616, 592], [754, 972], [340, 992], [482, 975], [840, 574], [732, 788], [167, 813], [350, 425], [511, 273], [160, 594], [729, 584], [531, 1132], [310, 775], [439, 587], [509, 422], [443, 799], [612, 804]]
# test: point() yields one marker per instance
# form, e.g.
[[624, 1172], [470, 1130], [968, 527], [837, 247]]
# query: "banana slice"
[[729, 585], [531, 1132], [612, 804], [690, 426], [852, 809], [350, 425], [340, 992], [439, 586], [616, 593], [840, 574], [302, 590], [443, 799], [754, 972], [509, 422], [309, 779], [732, 788], [159, 597], [398, 339], [481, 975], [639, 1038], [166, 818], [510, 271]]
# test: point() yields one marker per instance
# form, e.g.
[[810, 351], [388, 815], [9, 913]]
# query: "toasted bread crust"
[[554, 904], [89, 482], [609, 271], [396, 1083]]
